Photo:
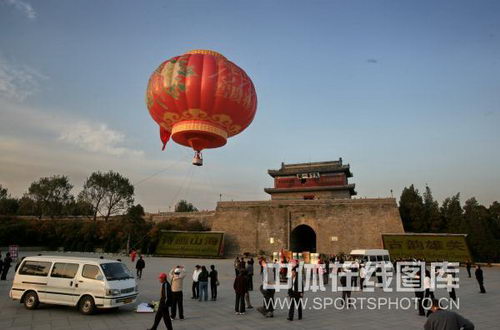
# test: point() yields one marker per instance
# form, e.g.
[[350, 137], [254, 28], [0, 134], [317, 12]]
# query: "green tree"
[[78, 208], [432, 220], [184, 206], [8, 204], [452, 215], [27, 206], [411, 209], [479, 230], [135, 214], [50, 195], [495, 218], [3, 192], [109, 193]]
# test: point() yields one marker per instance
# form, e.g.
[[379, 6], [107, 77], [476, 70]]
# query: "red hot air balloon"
[[200, 99]]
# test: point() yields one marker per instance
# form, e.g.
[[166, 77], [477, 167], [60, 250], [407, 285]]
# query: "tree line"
[[127, 230], [103, 194], [421, 213]]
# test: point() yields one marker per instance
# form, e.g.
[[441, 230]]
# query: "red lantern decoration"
[[200, 99]]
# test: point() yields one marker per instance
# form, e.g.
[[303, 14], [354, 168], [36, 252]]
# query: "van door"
[[91, 281], [61, 284], [33, 275]]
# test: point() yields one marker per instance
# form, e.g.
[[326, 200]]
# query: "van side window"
[[91, 271], [64, 270], [35, 268]]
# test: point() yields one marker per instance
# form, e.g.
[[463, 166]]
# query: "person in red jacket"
[[165, 303], [240, 288], [133, 254]]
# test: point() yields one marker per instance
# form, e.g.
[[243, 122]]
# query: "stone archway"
[[303, 238]]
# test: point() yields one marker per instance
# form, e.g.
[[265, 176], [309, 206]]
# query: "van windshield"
[[115, 271]]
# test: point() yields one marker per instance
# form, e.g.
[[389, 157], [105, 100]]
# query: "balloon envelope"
[[200, 99]]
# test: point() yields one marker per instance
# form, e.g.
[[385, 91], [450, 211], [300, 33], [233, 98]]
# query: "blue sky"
[[405, 91]]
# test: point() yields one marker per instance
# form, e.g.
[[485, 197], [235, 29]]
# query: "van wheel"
[[31, 300], [87, 305]]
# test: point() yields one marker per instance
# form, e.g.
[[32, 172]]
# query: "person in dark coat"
[[249, 269], [139, 266], [240, 289], [468, 265], [214, 282], [479, 278], [165, 303], [1, 263], [346, 290], [267, 308], [446, 320], [6, 265], [419, 293], [203, 284], [296, 292]]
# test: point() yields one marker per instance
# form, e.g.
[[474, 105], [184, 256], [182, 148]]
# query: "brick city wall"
[[356, 223], [316, 194], [248, 226]]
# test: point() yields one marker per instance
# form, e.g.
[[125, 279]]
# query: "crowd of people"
[[351, 272], [171, 301]]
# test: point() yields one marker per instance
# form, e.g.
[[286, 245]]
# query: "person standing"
[[428, 292], [479, 278], [1, 263], [327, 270], [446, 320], [139, 266], [195, 287], [203, 283], [249, 270], [177, 275], [6, 265], [267, 308], [165, 302], [214, 282], [133, 255], [419, 293], [450, 286], [345, 285], [362, 276], [240, 289], [295, 293], [468, 265], [249, 282], [261, 263], [236, 266]]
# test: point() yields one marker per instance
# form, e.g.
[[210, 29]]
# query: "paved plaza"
[[482, 310]]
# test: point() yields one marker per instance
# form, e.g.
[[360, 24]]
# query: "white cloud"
[[23, 160], [17, 82], [22, 6], [88, 136], [96, 138]]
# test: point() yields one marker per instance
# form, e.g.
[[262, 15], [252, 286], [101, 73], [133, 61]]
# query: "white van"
[[373, 255], [87, 283]]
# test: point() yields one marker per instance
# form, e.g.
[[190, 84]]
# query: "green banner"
[[430, 247], [191, 244]]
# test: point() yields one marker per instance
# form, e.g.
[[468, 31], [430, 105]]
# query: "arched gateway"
[[303, 238]]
